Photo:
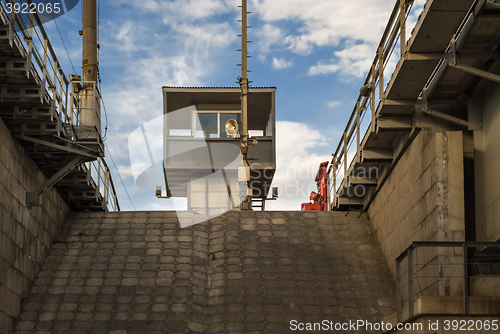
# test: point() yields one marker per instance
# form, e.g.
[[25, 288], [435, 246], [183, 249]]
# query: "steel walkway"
[[37, 105], [451, 47]]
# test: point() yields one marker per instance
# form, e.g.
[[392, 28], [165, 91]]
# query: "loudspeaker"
[[231, 127]]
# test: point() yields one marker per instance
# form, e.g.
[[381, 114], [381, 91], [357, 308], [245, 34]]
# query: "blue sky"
[[316, 53]]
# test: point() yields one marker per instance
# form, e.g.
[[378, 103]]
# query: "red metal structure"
[[319, 199]]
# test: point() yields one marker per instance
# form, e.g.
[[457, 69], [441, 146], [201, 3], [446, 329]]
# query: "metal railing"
[[27, 33], [26, 29], [99, 171], [363, 118], [394, 35], [444, 272]]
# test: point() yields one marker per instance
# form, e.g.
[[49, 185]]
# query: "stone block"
[[10, 303]]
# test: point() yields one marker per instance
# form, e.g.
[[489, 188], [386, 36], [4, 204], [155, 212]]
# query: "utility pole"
[[90, 114], [247, 203]]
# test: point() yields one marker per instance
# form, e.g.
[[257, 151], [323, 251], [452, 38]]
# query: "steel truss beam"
[[32, 198], [477, 72], [454, 57], [447, 117], [493, 3], [420, 101], [56, 146]]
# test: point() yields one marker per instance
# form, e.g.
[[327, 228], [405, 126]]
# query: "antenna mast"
[[247, 203]]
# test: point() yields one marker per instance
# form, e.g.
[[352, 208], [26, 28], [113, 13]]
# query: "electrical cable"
[[123, 183], [64, 44], [103, 104]]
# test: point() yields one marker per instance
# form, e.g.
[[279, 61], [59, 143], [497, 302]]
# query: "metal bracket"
[[425, 105], [32, 198], [447, 117], [493, 3], [462, 55], [419, 101], [453, 53], [60, 147], [477, 72]]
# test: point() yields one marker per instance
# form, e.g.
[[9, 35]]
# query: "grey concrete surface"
[[243, 272], [25, 235]]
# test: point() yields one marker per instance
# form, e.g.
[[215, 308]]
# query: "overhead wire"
[[64, 44], [123, 183], [104, 105]]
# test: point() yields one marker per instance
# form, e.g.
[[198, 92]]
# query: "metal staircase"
[[436, 69], [40, 107]]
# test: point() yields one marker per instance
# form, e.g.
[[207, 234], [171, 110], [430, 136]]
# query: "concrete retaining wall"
[[423, 200], [487, 166], [25, 235]]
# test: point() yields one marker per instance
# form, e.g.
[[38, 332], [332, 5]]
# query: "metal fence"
[[362, 118], [391, 50], [442, 268], [27, 33]]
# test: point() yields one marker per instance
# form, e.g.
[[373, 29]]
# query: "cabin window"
[[179, 124], [207, 127]]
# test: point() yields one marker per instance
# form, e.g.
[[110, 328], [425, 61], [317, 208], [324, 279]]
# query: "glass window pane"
[[208, 123], [224, 117], [179, 122]]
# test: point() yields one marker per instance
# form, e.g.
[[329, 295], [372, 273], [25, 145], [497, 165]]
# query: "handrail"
[[43, 65], [107, 191], [395, 28], [408, 254], [375, 78]]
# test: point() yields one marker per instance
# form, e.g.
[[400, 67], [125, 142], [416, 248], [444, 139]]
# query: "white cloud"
[[125, 171], [333, 104], [281, 63], [206, 36], [354, 26], [327, 22], [296, 165], [179, 10], [267, 36], [322, 68], [353, 61]]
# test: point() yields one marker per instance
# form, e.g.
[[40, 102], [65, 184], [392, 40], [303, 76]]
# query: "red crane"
[[319, 199]]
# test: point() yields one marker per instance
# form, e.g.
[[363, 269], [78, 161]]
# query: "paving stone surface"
[[243, 272]]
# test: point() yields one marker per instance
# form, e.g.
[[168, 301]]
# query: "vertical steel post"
[[89, 104], [410, 282], [345, 158], [398, 291], [402, 26], [247, 203], [12, 27], [381, 72], [30, 46], [98, 175], [374, 78], [89, 172], [466, 280], [44, 72], [334, 199], [89, 20], [358, 132]]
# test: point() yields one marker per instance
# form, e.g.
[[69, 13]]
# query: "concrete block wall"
[[423, 200], [25, 235]]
